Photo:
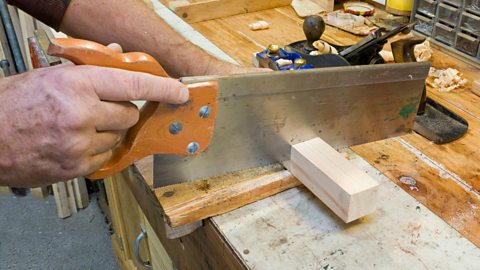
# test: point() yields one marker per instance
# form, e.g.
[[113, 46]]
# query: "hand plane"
[[253, 119], [365, 52]]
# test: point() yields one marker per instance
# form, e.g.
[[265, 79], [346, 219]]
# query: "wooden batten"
[[81, 193], [189, 202], [201, 10], [61, 199], [346, 190]]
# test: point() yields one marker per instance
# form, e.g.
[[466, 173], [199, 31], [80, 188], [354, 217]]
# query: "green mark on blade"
[[408, 109]]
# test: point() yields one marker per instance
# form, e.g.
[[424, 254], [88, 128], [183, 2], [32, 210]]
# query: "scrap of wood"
[[81, 192], [197, 11], [193, 201], [61, 199], [5, 191], [71, 197], [346, 190], [305, 8], [354, 24], [39, 193]]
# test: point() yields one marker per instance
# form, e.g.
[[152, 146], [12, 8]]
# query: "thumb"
[[112, 84]]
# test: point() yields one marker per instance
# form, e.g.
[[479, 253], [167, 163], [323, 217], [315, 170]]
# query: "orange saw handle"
[[162, 128]]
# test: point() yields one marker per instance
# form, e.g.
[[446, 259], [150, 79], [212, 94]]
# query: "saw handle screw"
[[175, 128], [204, 111], [192, 147]]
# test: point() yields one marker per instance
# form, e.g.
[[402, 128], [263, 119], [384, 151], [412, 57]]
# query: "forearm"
[[137, 28]]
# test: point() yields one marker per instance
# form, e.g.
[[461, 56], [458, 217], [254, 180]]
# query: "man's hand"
[[64, 121]]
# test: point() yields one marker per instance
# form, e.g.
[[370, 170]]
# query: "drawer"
[[448, 14], [424, 25], [427, 7], [467, 43], [473, 6], [444, 34], [470, 23], [456, 3]]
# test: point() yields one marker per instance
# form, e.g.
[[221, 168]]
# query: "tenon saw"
[[243, 121]]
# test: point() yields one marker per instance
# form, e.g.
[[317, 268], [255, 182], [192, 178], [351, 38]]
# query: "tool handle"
[[162, 128]]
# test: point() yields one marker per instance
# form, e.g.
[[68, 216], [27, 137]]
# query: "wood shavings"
[[446, 80], [283, 62], [349, 22], [323, 48], [423, 52], [259, 25], [387, 55]]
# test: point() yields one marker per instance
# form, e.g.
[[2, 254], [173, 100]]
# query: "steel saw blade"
[[261, 115]]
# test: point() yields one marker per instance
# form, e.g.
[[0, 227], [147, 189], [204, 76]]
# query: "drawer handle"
[[136, 249]]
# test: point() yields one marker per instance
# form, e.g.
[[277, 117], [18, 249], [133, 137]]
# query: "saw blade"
[[261, 115]]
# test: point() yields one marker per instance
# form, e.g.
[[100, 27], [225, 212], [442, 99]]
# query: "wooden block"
[[193, 201], [197, 11], [72, 204], [476, 87], [39, 193], [182, 230], [305, 8], [61, 199], [81, 193], [346, 190]]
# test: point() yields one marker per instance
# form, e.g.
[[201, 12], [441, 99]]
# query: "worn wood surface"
[[460, 158], [193, 201], [201, 10], [295, 230]]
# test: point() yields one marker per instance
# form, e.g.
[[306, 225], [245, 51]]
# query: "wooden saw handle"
[[163, 128]]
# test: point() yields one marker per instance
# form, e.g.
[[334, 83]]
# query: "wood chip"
[[259, 25]]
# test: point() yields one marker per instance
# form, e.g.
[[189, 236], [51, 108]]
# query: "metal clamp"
[[136, 249]]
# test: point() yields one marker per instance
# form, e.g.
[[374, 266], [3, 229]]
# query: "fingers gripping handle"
[[163, 128]]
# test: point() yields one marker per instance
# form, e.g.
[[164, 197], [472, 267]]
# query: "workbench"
[[432, 222]]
